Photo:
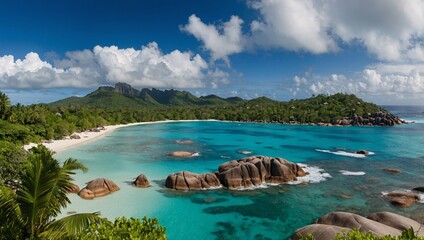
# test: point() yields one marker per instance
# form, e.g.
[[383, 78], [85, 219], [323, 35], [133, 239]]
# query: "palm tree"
[[4, 105], [42, 195]]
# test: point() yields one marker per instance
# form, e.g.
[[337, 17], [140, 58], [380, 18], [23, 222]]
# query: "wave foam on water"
[[349, 173], [315, 175], [344, 153]]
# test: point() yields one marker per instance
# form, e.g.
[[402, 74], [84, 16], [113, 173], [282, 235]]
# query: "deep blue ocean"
[[340, 181]]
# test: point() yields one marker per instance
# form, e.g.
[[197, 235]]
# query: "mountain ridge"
[[145, 97]]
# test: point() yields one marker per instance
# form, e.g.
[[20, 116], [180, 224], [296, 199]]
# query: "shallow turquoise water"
[[266, 213]]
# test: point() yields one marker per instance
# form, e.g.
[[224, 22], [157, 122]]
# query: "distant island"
[[338, 109]]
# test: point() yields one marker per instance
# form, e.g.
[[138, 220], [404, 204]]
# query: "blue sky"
[[281, 49]]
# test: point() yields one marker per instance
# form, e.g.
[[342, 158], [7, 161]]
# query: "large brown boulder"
[[141, 181], [379, 224], [97, 188], [362, 224], [192, 181], [402, 199], [397, 221], [256, 170], [319, 231]]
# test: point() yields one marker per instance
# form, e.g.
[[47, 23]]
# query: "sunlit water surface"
[[266, 213]]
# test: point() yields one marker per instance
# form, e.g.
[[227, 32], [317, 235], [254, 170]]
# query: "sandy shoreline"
[[65, 144]]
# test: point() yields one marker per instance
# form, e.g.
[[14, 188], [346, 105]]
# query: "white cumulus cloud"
[[222, 40], [391, 30], [146, 67], [385, 84], [292, 25]]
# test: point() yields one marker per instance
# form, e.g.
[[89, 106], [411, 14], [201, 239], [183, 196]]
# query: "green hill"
[[124, 96], [153, 104]]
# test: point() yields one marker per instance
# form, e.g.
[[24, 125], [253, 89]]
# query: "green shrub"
[[357, 235], [125, 228]]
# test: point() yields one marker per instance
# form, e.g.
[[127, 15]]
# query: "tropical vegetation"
[[125, 228], [357, 235], [31, 212]]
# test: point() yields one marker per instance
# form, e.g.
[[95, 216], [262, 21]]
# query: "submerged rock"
[[97, 188], [402, 199], [192, 181], [184, 141], [254, 171], [391, 170], [141, 181], [183, 154]]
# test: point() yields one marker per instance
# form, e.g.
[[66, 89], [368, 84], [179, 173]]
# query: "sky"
[[281, 49]]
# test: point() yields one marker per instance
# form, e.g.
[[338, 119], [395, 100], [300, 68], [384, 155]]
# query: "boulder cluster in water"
[[239, 174], [373, 119]]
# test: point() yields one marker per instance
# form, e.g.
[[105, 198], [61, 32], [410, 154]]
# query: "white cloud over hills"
[[372, 83], [147, 67], [391, 31]]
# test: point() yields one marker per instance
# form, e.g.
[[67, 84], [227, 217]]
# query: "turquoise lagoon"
[[271, 212]]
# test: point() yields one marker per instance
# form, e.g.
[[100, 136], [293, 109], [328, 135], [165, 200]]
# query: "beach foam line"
[[343, 153], [349, 173], [66, 144]]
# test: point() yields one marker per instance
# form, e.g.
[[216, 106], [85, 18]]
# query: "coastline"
[[61, 145], [58, 146]]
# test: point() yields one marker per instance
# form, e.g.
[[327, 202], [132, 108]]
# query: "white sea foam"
[[245, 152], [195, 154], [315, 175], [349, 173], [421, 197], [343, 153], [226, 157]]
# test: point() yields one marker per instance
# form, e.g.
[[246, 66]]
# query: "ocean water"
[[350, 182]]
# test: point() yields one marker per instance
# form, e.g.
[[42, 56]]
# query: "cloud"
[[391, 30], [291, 25], [375, 83], [222, 40], [147, 67]]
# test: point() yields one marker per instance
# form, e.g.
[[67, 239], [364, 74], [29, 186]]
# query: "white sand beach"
[[67, 143]]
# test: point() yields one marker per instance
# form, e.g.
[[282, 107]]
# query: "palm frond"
[[44, 189], [71, 225], [9, 209]]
